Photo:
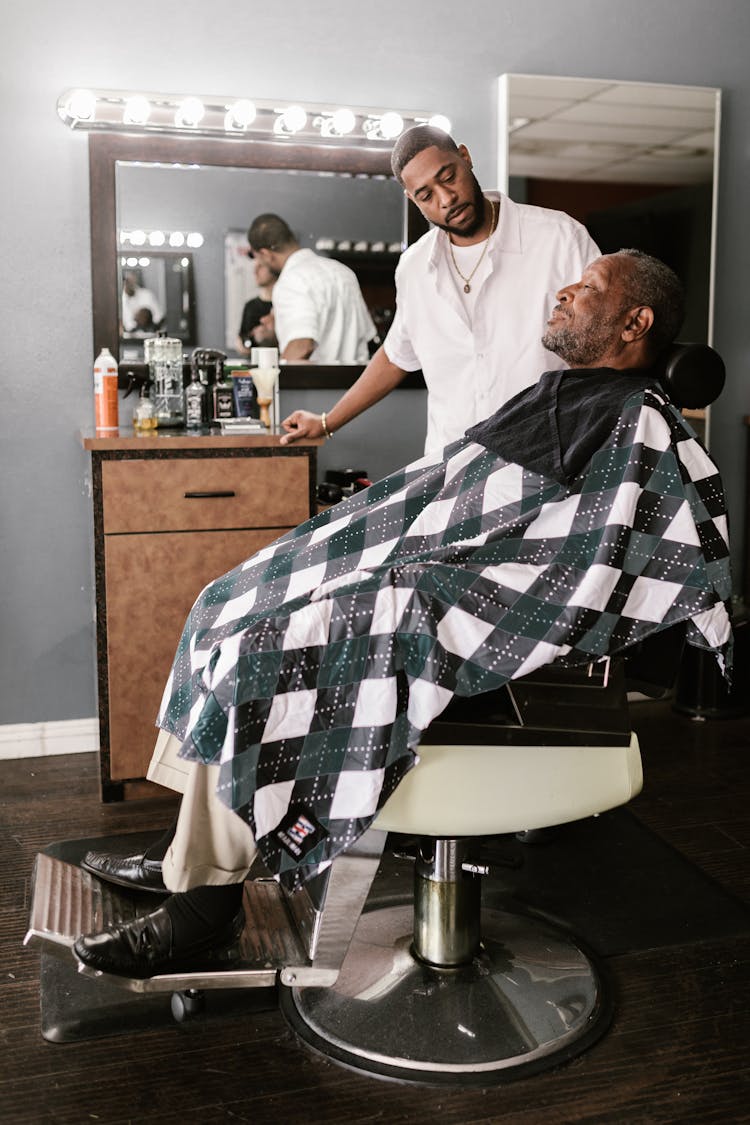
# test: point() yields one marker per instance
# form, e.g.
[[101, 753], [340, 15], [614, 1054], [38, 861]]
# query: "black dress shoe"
[[145, 947], [133, 871]]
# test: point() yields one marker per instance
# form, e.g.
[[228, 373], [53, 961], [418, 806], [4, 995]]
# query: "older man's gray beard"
[[580, 347]]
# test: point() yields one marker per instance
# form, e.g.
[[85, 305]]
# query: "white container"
[[264, 357]]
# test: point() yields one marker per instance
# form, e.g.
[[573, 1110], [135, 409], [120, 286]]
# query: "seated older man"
[[580, 518]]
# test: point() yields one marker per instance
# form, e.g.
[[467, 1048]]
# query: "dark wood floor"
[[676, 1052]]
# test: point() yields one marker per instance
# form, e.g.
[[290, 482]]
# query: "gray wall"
[[438, 57]]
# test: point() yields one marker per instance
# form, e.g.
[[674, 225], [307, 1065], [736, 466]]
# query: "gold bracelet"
[[326, 431]]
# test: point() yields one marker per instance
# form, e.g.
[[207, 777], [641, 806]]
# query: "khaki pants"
[[212, 846]]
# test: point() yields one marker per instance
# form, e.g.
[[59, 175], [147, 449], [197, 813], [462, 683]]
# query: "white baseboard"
[[36, 740]]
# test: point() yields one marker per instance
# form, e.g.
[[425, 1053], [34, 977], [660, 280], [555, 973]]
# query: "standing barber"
[[318, 308], [463, 293]]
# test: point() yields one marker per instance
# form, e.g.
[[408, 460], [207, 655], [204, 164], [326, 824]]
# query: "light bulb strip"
[[145, 241], [239, 117]]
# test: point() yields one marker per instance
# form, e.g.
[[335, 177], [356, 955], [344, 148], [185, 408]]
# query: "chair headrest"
[[692, 374]]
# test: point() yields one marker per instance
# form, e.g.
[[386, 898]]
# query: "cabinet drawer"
[[153, 581], [184, 494]]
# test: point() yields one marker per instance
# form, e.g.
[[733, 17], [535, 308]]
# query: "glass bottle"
[[195, 399], [144, 415]]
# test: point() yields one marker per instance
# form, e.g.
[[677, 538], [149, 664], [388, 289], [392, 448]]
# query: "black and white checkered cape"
[[310, 671]]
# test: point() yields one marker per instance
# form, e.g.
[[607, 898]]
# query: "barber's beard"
[[581, 347], [478, 202]]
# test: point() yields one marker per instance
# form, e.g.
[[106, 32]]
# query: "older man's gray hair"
[[653, 283]]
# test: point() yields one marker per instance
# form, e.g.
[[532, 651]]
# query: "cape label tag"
[[299, 832]]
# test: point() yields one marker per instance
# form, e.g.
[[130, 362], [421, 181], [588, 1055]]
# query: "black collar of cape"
[[555, 427]]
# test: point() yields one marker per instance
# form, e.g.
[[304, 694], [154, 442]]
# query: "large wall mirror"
[[635, 162], [341, 197]]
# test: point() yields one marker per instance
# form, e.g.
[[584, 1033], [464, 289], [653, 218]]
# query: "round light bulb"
[[294, 118], [391, 124], [177, 238], [194, 240], [184, 262], [132, 262], [343, 121], [82, 105], [242, 113], [144, 262], [137, 237], [157, 238], [190, 113], [440, 121], [137, 110]]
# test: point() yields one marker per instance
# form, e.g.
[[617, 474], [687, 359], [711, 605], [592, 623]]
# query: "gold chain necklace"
[[467, 280]]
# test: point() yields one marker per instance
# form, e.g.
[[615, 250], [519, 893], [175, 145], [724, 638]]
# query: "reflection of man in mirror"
[[141, 311], [318, 307], [472, 295], [257, 327]]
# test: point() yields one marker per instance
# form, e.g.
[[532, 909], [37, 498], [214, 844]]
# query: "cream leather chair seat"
[[489, 790]]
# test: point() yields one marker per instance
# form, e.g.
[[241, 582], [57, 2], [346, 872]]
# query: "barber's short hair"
[[653, 283], [415, 140], [270, 232]]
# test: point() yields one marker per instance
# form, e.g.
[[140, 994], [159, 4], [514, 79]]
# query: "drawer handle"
[[208, 495]]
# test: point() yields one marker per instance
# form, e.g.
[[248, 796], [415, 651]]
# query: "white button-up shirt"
[[319, 299], [472, 368]]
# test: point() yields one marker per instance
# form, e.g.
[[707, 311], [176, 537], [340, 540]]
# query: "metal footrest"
[[300, 938], [67, 902]]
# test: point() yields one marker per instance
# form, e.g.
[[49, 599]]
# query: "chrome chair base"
[[530, 1000]]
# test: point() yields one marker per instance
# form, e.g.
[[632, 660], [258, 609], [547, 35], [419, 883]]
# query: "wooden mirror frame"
[[105, 149]]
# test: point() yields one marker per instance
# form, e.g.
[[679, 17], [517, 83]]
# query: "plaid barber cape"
[[310, 671]]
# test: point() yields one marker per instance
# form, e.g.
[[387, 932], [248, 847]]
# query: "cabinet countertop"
[[164, 440]]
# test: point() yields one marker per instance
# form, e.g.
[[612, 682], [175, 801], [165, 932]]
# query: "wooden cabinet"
[[171, 514]]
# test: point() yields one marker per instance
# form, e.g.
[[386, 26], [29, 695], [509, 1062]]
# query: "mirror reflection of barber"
[[141, 312], [472, 296], [318, 308], [257, 328]]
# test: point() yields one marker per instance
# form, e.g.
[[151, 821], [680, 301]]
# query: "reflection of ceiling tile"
[[614, 115], [641, 172], [538, 107], [699, 140], [649, 93], [547, 86], [597, 130], [539, 168], [557, 129], [584, 151]]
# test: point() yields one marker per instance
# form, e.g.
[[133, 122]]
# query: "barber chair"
[[436, 989], [431, 987]]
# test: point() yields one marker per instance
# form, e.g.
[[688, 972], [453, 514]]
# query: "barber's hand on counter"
[[302, 424]]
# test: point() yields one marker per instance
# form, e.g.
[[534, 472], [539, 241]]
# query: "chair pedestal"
[[422, 998], [447, 903]]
